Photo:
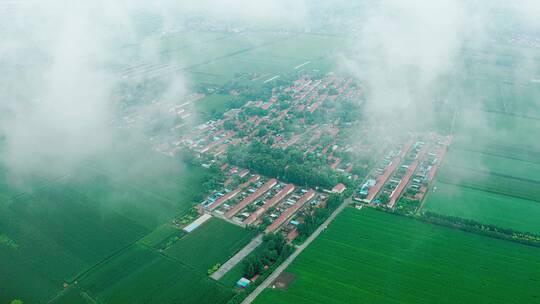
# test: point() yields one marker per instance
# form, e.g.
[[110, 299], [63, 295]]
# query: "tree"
[[252, 266], [384, 198], [17, 301], [229, 125]]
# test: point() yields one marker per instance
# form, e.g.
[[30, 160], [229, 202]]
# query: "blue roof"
[[243, 282]]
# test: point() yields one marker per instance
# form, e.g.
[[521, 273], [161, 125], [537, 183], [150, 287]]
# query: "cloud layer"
[[57, 93]]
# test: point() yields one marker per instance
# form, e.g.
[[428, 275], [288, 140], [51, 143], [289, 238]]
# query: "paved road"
[[272, 277], [237, 257]]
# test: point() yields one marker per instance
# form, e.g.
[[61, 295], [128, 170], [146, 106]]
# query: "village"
[[304, 122]]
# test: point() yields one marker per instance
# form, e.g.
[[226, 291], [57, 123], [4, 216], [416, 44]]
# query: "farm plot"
[[149, 192], [141, 275], [493, 83], [479, 129], [491, 174], [214, 105], [492, 182], [485, 207], [53, 229], [56, 233], [194, 52], [373, 257], [276, 55], [214, 242], [512, 152], [489, 162]]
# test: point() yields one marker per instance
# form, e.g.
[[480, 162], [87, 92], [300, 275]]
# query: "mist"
[[59, 94], [410, 56], [60, 103]]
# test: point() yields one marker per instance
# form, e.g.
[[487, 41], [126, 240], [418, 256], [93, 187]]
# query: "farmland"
[[485, 207], [184, 182], [492, 179], [372, 257], [55, 229], [215, 58], [217, 239], [140, 275]]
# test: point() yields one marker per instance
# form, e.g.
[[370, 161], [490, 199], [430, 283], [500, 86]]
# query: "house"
[[243, 283], [339, 188]]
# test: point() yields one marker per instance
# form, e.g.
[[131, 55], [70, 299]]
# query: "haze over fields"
[[126, 124], [59, 92]]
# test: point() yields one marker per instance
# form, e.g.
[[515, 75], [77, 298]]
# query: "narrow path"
[[272, 277], [237, 257]]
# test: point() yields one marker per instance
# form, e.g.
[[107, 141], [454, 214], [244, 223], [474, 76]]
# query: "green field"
[[215, 58], [485, 207], [54, 229], [496, 163], [369, 256], [213, 105], [214, 242], [141, 275], [492, 171]]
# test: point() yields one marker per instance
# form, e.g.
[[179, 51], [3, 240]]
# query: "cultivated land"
[[67, 224], [215, 58], [141, 275], [495, 179], [369, 256], [485, 207], [214, 242], [106, 229], [55, 229]]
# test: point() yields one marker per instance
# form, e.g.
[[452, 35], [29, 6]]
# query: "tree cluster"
[[480, 228], [313, 221], [274, 249], [288, 165]]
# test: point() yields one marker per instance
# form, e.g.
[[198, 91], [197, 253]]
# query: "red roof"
[[232, 194], [243, 173], [440, 155], [339, 188], [388, 172], [336, 163], [289, 212], [253, 196], [397, 193], [292, 235], [270, 203]]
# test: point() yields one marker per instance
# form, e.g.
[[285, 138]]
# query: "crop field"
[[492, 179], [485, 207], [492, 182], [215, 58], [213, 104], [217, 239], [58, 233], [496, 164], [369, 256], [141, 275], [274, 56], [51, 230], [493, 83]]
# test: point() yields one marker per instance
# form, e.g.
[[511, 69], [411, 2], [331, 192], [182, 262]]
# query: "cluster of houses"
[[278, 122], [405, 171], [267, 203]]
